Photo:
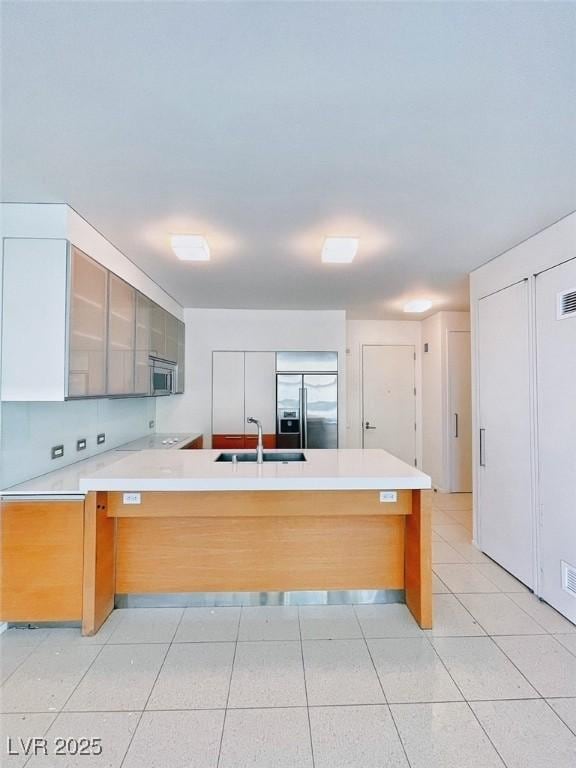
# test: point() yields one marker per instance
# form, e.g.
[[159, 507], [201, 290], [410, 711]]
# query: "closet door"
[[505, 520], [556, 356]]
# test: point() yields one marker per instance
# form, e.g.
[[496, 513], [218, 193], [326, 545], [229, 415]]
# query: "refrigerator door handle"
[[301, 403], [456, 425], [305, 417]]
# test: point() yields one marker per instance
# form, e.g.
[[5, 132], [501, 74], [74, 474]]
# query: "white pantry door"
[[556, 355], [459, 411], [389, 400], [505, 519]]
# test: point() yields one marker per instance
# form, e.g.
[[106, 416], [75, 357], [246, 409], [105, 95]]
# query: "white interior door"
[[389, 400], [505, 523], [459, 411], [556, 355]]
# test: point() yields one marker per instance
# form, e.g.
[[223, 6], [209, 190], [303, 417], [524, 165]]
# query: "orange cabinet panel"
[[224, 442], [251, 440]]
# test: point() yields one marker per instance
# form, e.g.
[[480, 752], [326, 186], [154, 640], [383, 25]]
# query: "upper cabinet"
[[144, 307], [180, 359], [121, 337], [73, 329], [87, 326]]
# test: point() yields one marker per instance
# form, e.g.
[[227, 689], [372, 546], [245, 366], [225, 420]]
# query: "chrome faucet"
[[260, 444]]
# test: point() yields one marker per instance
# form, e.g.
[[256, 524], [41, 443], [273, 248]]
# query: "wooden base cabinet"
[[41, 551]]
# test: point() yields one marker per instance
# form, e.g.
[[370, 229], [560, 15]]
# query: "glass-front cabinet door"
[[87, 326], [143, 342], [121, 336], [158, 331]]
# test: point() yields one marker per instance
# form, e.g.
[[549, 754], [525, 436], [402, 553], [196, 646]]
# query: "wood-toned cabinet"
[[87, 326]]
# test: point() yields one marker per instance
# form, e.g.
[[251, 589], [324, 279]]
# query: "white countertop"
[[66, 481], [344, 469]]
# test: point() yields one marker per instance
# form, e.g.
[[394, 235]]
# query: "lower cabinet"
[[230, 442], [41, 550]]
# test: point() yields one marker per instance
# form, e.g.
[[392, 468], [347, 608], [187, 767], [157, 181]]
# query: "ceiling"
[[439, 133]]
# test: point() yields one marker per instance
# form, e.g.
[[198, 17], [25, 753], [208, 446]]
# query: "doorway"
[[389, 399]]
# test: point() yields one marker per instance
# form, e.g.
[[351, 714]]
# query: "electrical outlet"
[[151, 424], [388, 496], [81, 444], [101, 438], [57, 451], [131, 498]]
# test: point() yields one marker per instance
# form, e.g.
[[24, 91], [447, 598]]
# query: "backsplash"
[[30, 430]]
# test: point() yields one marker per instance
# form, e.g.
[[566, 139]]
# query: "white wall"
[[256, 330], [393, 332], [435, 421]]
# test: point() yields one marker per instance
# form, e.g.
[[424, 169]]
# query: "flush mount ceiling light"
[[190, 247], [339, 250], [418, 305]]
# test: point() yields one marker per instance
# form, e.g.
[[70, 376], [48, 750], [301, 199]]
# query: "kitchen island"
[[182, 528]]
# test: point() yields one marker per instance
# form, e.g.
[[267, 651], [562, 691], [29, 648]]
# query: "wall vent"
[[568, 578], [567, 304]]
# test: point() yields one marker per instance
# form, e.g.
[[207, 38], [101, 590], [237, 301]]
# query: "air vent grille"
[[567, 304], [569, 578]]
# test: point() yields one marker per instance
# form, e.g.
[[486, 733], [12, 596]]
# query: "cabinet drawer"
[[227, 441], [250, 441]]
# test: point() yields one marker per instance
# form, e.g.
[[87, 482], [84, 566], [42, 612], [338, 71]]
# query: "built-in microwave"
[[162, 377]]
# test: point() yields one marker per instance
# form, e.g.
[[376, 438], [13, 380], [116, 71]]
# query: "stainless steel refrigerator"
[[307, 400]]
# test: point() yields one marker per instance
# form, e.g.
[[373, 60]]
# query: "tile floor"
[[493, 684]]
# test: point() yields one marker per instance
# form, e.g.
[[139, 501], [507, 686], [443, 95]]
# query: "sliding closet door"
[[505, 523], [556, 356]]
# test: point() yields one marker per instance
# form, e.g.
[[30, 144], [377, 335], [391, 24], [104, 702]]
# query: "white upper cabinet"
[[228, 393], [260, 389], [34, 306], [243, 385]]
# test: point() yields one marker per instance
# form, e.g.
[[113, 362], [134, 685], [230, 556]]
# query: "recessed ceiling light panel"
[[190, 247], [339, 250], [418, 305]]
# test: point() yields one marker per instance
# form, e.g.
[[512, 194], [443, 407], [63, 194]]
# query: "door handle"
[[367, 426], [482, 447], [455, 425]]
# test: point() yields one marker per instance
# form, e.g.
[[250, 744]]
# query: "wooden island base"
[[255, 541]]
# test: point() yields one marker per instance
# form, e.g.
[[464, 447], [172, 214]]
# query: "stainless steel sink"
[[281, 458]]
